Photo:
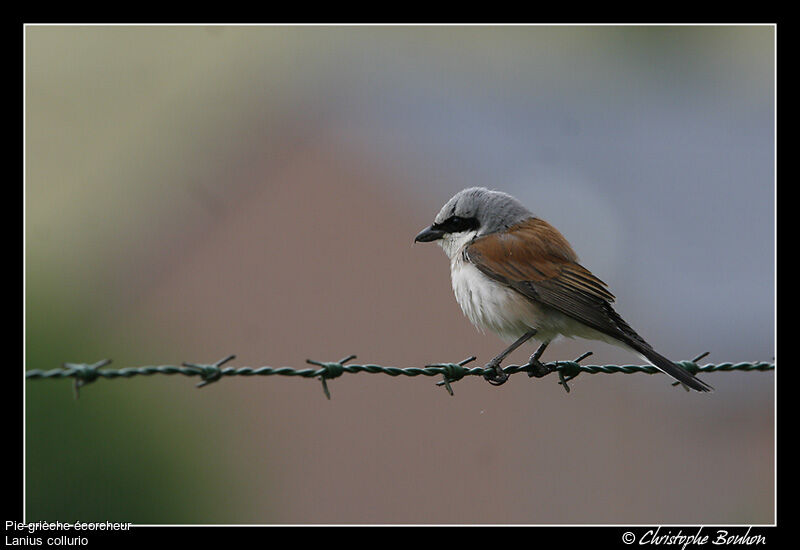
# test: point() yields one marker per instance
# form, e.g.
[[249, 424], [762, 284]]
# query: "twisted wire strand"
[[84, 373]]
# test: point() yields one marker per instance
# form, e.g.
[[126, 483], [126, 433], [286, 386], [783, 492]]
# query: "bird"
[[516, 275]]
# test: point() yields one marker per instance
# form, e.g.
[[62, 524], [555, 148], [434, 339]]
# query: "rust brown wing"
[[533, 258]]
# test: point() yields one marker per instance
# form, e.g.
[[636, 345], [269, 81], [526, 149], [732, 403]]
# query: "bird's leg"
[[535, 367], [498, 377]]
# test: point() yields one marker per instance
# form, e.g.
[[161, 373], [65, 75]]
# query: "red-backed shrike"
[[516, 275]]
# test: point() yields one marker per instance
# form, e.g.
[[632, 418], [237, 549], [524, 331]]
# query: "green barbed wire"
[[85, 373]]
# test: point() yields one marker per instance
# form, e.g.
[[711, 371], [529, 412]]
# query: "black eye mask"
[[457, 224]]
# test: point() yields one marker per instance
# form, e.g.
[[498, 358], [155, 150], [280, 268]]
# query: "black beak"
[[429, 234]]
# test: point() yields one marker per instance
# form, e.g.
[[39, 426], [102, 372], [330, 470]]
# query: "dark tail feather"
[[676, 371], [629, 336]]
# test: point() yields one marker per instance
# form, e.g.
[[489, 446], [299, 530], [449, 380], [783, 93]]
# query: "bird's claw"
[[537, 369], [496, 376]]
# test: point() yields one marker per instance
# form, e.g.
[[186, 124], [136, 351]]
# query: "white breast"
[[490, 305]]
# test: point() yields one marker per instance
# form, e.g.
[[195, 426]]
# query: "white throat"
[[452, 243]]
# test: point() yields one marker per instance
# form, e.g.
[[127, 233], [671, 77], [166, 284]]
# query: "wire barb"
[[84, 374], [209, 373], [330, 370], [451, 372], [691, 366], [569, 370]]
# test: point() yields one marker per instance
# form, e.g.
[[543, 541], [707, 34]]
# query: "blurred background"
[[193, 192]]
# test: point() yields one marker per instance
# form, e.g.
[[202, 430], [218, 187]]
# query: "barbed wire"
[[85, 373]]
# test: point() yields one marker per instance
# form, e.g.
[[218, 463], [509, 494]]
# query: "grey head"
[[478, 211]]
